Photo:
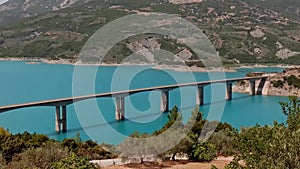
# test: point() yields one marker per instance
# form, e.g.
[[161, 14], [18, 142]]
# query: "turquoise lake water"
[[22, 82]]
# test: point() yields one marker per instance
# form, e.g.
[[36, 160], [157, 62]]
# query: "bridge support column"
[[200, 95], [57, 119], [261, 86], [120, 108], [229, 91], [64, 118], [252, 87], [164, 102], [60, 119]]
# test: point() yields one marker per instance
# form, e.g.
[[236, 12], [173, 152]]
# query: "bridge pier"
[[229, 91], [164, 102], [120, 108], [61, 109], [200, 95], [252, 87], [61, 119], [261, 86]]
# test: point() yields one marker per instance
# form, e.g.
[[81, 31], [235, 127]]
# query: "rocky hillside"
[[278, 84], [14, 10], [242, 31]]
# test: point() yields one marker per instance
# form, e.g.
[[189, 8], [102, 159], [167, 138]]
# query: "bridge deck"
[[70, 100]]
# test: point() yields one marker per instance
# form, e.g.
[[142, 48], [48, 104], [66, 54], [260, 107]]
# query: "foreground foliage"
[[73, 162], [258, 147], [25, 150], [180, 140], [271, 147]]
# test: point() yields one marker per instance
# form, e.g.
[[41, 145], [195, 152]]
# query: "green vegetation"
[[62, 33], [38, 151], [278, 83], [271, 147], [73, 162], [258, 147], [191, 145], [201, 151], [292, 80]]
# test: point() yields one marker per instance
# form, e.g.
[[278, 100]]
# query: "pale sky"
[[2, 1]]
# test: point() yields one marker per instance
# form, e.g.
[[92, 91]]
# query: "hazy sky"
[[2, 1]]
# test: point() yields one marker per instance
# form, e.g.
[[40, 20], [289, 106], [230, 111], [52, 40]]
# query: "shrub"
[[13, 144], [2, 161], [271, 147], [202, 151], [292, 80], [73, 162], [39, 158], [88, 149], [223, 141], [278, 83]]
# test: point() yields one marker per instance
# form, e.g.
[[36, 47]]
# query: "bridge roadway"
[[60, 104]]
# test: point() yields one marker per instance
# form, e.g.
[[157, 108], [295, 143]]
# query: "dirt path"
[[220, 163]]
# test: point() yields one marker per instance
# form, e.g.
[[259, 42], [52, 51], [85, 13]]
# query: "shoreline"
[[178, 68]]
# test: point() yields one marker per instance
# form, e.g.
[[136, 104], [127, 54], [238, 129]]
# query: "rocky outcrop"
[[184, 1], [277, 84], [257, 33], [286, 53]]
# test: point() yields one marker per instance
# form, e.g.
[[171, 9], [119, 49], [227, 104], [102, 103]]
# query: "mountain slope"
[[14, 10], [245, 31]]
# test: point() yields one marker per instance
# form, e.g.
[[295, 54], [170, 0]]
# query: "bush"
[[271, 147], [202, 151], [88, 149], [293, 81], [2, 161], [39, 158], [73, 162], [278, 83], [223, 141], [13, 144]]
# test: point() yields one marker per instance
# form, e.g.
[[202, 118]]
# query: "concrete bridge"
[[61, 104]]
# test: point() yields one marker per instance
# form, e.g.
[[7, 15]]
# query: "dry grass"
[[220, 163]]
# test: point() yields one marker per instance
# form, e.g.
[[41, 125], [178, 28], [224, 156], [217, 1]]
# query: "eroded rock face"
[[151, 49], [185, 1], [286, 53], [276, 85], [257, 33]]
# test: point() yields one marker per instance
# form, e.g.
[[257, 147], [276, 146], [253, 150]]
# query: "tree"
[[71, 143], [73, 162], [14, 144], [39, 158], [223, 141], [4, 134], [271, 147], [174, 121], [181, 148], [137, 146], [196, 122], [174, 115], [11, 146], [201, 151], [292, 111]]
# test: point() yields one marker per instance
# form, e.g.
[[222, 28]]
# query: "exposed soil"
[[182, 164], [269, 89]]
